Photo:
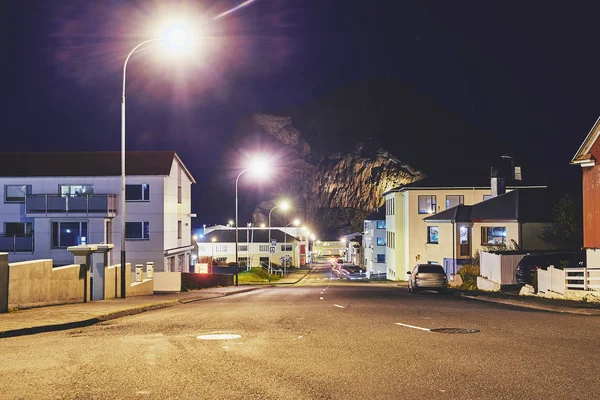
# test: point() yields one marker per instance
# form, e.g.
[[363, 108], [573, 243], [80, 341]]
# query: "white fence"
[[559, 281], [500, 268], [552, 280]]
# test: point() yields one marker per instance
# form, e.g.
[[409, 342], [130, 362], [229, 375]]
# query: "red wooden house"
[[588, 157]]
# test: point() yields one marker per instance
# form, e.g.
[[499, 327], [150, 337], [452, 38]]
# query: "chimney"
[[497, 182]]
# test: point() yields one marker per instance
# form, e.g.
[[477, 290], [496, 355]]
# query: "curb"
[[511, 303], [113, 315]]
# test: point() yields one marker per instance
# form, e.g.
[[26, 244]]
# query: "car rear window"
[[431, 269]]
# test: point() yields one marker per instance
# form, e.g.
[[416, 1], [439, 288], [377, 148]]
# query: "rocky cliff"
[[331, 194]]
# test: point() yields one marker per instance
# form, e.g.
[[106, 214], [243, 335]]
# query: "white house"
[[54, 200], [374, 246], [254, 248]]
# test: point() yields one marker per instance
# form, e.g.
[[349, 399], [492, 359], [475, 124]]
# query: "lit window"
[[263, 247], [137, 230], [76, 190], [221, 248], [380, 224], [432, 234], [380, 241], [427, 204], [493, 235], [72, 233], [453, 201], [137, 192]]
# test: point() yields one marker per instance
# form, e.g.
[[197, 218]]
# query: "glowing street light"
[[174, 37], [258, 167]]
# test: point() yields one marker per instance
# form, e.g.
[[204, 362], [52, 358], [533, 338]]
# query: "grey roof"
[[523, 205], [260, 236], [96, 163], [460, 213]]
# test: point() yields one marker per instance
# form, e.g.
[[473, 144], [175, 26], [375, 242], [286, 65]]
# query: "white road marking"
[[319, 297], [337, 305], [414, 327]]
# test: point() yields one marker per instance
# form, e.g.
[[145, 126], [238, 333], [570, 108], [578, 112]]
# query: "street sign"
[[273, 242], [272, 249]]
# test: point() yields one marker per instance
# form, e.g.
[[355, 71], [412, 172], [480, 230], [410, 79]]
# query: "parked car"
[[427, 276], [532, 262], [352, 272]]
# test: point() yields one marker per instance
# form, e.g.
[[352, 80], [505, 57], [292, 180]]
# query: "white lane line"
[[320, 298], [337, 305], [414, 327]]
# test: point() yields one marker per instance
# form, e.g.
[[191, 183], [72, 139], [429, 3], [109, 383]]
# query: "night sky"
[[525, 73]]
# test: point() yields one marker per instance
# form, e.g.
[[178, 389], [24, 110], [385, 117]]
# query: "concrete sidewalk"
[[68, 316]]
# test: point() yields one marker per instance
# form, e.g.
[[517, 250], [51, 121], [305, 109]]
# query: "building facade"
[[406, 232], [254, 248], [374, 244], [54, 200]]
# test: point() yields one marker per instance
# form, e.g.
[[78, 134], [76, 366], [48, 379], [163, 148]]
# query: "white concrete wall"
[[167, 281], [208, 249]]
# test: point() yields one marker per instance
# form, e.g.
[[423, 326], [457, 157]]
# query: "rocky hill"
[[333, 193]]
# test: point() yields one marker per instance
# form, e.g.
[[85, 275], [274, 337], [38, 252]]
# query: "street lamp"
[[295, 222], [174, 37], [259, 167], [284, 205]]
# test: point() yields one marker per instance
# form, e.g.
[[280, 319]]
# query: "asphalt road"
[[319, 339]]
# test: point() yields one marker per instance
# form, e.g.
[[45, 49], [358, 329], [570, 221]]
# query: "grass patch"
[[256, 275]]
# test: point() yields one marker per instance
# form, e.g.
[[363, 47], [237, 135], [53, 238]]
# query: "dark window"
[[17, 228], [380, 224], [427, 204], [179, 233], [137, 192], [432, 234], [493, 235], [454, 200], [243, 247], [380, 241], [179, 194], [286, 247], [137, 230], [71, 233], [16, 193], [380, 258]]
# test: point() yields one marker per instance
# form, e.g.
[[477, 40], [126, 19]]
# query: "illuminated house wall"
[[55, 220]]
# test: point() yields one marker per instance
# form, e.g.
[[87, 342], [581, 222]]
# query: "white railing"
[[582, 278]]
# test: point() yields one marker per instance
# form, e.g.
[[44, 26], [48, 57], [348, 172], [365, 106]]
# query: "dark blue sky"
[[523, 72]]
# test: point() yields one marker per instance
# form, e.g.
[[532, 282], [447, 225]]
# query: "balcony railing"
[[98, 204], [16, 243]]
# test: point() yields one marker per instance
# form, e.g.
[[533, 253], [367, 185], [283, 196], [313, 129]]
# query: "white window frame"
[[27, 191], [82, 240]]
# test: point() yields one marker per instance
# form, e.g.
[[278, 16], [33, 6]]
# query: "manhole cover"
[[454, 330], [219, 336]]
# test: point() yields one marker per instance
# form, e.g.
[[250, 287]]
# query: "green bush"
[[469, 274]]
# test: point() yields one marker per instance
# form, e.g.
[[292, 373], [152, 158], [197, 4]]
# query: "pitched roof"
[[582, 154], [91, 163], [522, 205], [460, 213], [256, 236]]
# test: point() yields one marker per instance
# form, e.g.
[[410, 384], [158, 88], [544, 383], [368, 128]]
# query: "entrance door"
[[464, 240]]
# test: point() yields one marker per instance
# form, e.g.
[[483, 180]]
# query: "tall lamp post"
[[295, 222], [175, 38], [284, 206], [259, 166]]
